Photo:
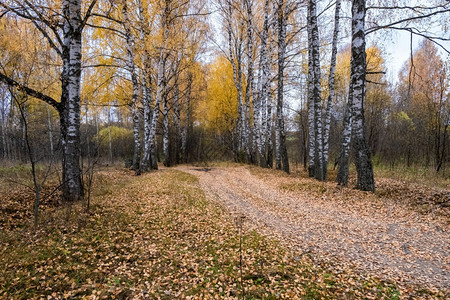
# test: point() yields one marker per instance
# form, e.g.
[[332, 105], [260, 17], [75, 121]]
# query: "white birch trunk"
[[281, 158], [236, 62], [270, 126], [70, 100], [166, 131], [262, 91], [363, 162], [326, 133], [342, 175], [156, 109], [318, 147], [311, 119], [147, 94], [251, 90], [130, 48], [160, 86]]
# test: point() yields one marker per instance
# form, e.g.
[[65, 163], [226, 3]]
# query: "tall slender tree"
[[363, 161], [327, 117], [63, 32], [131, 66], [281, 157]]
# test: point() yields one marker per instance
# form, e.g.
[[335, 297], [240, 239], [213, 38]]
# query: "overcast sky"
[[398, 52]]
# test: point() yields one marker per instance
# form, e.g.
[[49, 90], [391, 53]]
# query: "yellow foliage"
[[376, 94], [26, 55], [220, 106], [117, 134]]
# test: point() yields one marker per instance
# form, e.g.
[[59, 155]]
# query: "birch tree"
[[250, 90], [315, 100], [344, 152], [145, 26], [262, 91], [235, 53], [281, 157], [363, 161], [63, 31], [130, 51], [327, 117]]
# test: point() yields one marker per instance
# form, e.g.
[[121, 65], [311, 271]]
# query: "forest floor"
[[218, 233]]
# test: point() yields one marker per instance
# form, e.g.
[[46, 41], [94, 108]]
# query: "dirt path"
[[390, 247]]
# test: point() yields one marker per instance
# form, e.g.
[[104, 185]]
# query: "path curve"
[[417, 252]]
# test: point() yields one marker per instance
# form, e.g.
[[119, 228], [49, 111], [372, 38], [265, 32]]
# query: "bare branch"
[[29, 91], [376, 28]]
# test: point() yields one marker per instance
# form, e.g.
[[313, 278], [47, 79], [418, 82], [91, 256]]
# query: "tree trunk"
[[282, 161], [155, 116], [251, 92], [147, 98], [166, 131], [316, 91], [262, 92], [50, 131], [311, 111], [343, 162], [270, 126], [110, 151], [363, 161], [326, 133], [70, 101], [160, 87], [235, 57], [148, 111], [187, 128], [177, 121], [130, 46], [4, 142]]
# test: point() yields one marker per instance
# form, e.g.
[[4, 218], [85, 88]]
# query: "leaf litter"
[[387, 234], [157, 236]]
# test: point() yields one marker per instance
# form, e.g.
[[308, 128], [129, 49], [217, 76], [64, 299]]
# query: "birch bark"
[[281, 158], [147, 95], [311, 119], [70, 100], [262, 91], [160, 86], [342, 175], [130, 48], [235, 57], [316, 93], [363, 161], [166, 130], [326, 133], [251, 91]]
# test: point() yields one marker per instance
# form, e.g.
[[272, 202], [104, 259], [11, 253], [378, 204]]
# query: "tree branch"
[[29, 91], [373, 29], [88, 14]]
